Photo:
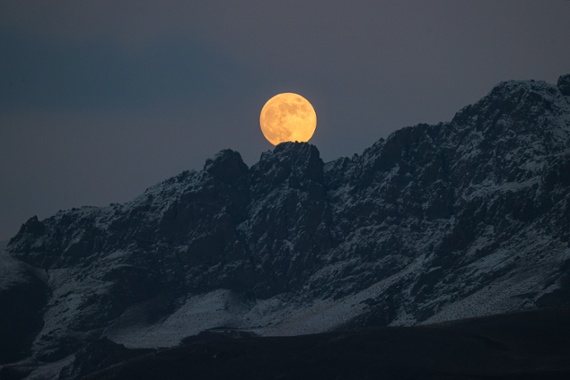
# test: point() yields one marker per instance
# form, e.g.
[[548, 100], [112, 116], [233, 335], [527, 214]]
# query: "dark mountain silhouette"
[[528, 345], [435, 223]]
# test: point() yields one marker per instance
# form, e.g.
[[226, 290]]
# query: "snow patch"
[[12, 271]]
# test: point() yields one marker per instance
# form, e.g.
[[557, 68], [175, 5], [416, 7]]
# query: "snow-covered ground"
[[10, 271]]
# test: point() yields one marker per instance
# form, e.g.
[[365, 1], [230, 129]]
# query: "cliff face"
[[437, 222]]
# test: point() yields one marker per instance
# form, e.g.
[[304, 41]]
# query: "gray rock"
[[564, 84]]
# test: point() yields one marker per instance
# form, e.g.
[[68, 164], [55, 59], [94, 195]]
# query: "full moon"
[[288, 117]]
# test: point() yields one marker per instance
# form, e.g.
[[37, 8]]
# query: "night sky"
[[101, 99]]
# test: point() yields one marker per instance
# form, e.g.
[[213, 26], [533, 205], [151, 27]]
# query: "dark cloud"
[[41, 73], [100, 99]]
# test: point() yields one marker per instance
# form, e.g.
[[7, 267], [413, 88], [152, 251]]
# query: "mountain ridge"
[[434, 223]]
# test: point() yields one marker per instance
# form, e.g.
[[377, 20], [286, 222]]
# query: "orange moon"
[[288, 117]]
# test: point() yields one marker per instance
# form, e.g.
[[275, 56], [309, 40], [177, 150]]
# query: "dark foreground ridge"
[[528, 345], [435, 223]]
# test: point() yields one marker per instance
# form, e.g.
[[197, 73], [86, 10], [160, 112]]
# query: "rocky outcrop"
[[564, 84]]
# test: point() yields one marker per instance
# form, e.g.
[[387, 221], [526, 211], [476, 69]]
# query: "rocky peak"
[[287, 223], [298, 164], [30, 230], [521, 106], [511, 132], [227, 166], [564, 84]]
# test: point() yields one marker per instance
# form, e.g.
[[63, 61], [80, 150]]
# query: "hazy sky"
[[101, 99]]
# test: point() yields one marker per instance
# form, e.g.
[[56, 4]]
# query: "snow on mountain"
[[437, 222]]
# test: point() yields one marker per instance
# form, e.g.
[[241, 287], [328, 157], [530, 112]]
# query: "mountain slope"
[[437, 222], [530, 345]]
